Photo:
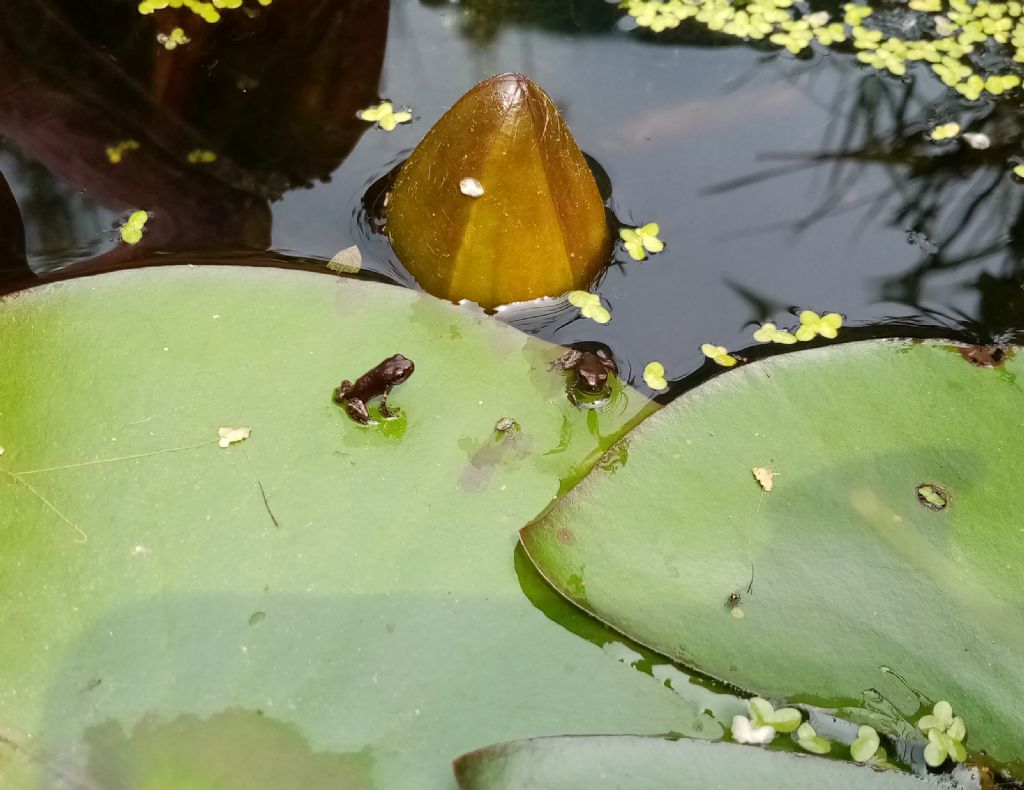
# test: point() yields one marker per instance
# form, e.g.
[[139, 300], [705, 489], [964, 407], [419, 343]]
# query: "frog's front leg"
[[570, 391], [385, 412]]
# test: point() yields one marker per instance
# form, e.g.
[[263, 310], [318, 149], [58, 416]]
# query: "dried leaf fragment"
[[765, 476], [346, 261], [228, 436]]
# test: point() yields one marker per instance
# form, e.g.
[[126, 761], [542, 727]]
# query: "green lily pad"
[[338, 596], [582, 763], [845, 577]]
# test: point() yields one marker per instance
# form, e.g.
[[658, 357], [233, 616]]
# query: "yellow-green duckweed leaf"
[[940, 747], [769, 333], [822, 622], [763, 712], [201, 156], [642, 240], [131, 231], [174, 39], [719, 354], [855, 14], [384, 115], [654, 376], [945, 131], [945, 732], [207, 11], [812, 325], [590, 306], [810, 741], [865, 746], [116, 152]]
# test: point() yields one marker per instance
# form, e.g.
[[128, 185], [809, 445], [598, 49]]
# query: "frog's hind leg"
[[357, 411]]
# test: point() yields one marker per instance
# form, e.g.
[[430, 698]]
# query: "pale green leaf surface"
[[379, 627], [855, 582], [659, 764]]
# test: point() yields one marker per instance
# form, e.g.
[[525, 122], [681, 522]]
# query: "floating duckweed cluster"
[[116, 151], [176, 38], [952, 36], [654, 376], [209, 11], [384, 115], [201, 156], [718, 354], [642, 240], [590, 306], [946, 734], [131, 231]]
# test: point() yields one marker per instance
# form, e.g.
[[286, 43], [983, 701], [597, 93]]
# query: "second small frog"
[[592, 369], [376, 382]]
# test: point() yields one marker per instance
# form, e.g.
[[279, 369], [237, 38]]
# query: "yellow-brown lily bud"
[[497, 203]]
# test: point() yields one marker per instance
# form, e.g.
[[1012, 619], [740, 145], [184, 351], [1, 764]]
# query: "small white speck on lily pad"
[[228, 436], [471, 187]]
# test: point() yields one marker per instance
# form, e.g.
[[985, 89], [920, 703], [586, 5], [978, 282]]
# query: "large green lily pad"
[[855, 583], [330, 600], [583, 763]]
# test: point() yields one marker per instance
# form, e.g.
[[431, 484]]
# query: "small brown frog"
[[375, 382], [592, 369]]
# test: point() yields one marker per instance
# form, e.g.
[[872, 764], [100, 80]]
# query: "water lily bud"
[[536, 228]]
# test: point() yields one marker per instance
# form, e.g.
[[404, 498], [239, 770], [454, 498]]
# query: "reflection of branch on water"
[[957, 203]]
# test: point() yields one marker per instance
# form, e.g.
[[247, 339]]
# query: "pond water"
[[780, 182]]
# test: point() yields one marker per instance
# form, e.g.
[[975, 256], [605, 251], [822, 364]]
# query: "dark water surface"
[[780, 183]]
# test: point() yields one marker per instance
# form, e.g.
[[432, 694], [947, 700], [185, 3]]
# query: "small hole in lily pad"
[[984, 356], [932, 496]]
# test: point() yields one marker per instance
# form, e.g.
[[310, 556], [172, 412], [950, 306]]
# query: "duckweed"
[[384, 115], [720, 355], [812, 325], [590, 306], [208, 11], [131, 231], [946, 734], [866, 744], [116, 151], [956, 40], [810, 741], [654, 376], [642, 240]]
